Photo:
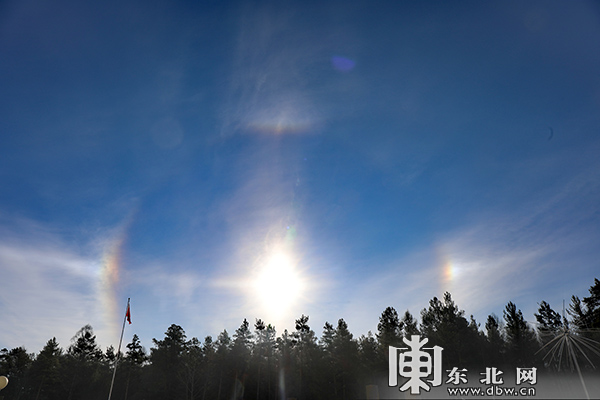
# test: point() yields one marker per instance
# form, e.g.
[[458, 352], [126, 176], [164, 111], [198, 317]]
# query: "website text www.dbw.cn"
[[491, 391]]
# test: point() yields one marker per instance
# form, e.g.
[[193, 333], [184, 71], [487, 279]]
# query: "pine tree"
[[305, 353], [223, 362], [444, 324], [15, 364], [495, 345], [209, 365], [46, 372], [328, 371], [585, 321], [84, 346], [136, 355], [191, 368], [389, 330], [242, 340], [520, 338], [263, 359], [327, 336], [369, 358], [84, 365], [165, 370], [258, 353], [549, 322], [586, 312], [345, 356], [409, 324], [284, 346], [134, 360]]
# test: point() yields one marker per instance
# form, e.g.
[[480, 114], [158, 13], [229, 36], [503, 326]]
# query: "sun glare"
[[278, 284]]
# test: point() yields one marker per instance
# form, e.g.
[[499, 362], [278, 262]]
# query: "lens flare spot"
[[342, 63]]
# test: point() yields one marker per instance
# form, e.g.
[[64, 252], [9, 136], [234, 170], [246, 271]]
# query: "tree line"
[[255, 363]]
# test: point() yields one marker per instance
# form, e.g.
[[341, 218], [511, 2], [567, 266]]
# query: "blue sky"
[[216, 161]]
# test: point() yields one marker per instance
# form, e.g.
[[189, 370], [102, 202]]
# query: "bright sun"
[[278, 284]]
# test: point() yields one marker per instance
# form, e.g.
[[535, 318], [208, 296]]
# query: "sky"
[[215, 161]]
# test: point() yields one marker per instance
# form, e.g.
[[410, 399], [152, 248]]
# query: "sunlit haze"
[[278, 285]]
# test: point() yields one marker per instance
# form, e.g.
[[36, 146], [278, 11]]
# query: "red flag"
[[128, 314]]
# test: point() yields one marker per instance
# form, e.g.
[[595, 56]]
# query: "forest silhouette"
[[256, 363]]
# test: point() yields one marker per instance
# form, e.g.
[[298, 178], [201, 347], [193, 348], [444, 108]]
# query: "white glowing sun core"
[[278, 284]]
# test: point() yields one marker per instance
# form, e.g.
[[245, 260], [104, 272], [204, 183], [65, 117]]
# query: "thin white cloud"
[[270, 87], [540, 249], [47, 290], [51, 287], [173, 288], [525, 253]]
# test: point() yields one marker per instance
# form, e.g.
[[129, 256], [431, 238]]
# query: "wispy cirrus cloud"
[[538, 246], [537, 249], [277, 66], [54, 281], [48, 288]]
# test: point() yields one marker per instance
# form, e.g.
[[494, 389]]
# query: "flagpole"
[[118, 351]]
